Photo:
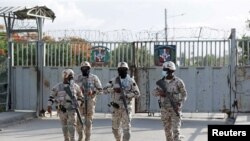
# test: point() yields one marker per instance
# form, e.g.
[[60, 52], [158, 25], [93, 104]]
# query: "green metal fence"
[[213, 53]]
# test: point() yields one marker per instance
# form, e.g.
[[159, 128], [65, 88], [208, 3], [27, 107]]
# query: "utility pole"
[[166, 26], [199, 34], [166, 23]]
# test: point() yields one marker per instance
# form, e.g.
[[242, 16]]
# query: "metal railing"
[[243, 52], [195, 53]]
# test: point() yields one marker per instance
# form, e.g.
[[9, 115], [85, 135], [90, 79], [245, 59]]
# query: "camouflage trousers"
[[68, 122], [86, 129], [171, 123], [120, 122]]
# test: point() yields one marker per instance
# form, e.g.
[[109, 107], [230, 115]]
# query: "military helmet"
[[170, 65], [122, 65], [85, 64], [67, 72]]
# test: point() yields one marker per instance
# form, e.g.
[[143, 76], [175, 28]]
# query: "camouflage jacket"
[[175, 88], [130, 88], [91, 83], [59, 95]]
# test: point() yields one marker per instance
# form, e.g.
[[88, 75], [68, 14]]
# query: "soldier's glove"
[[90, 93], [49, 109], [117, 90]]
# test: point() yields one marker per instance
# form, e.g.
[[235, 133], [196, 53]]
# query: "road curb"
[[11, 118]]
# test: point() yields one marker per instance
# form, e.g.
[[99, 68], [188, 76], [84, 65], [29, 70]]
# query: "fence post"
[[232, 73], [10, 97], [40, 65]]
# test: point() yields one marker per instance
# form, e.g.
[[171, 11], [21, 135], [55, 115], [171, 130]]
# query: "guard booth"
[[25, 20]]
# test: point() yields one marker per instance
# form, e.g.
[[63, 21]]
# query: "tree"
[[3, 44], [244, 52], [127, 52], [70, 51], [48, 39], [208, 60], [3, 55]]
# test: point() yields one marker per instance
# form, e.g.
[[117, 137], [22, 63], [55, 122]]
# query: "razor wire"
[[122, 35]]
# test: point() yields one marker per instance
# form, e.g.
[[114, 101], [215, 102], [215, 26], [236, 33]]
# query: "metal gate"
[[207, 68]]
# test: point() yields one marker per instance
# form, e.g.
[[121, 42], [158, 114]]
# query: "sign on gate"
[[99, 55], [163, 53]]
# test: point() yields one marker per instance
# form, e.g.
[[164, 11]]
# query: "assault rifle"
[[74, 102], [87, 86], [162, 84], [123, 97]]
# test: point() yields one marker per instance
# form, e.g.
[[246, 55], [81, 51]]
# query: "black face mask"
[[67, 80], [85, 71], [168, 72], [167, 69], [122, 72]]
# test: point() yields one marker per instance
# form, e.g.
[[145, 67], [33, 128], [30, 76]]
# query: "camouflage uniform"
[[66, 111], [171, 121], [119, 116], [90, 83]]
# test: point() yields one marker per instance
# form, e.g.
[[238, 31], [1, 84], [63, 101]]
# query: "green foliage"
[[3, 57], [244, 44], [3, 69], [73, 40], [3, 97], [3, 42], [143, 57], [208, 60], [2, 108], [48, 39], [56, 54], [124, 52], [24, 53], [65, 54]]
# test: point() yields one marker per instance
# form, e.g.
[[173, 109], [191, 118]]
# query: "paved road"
[[144, 128]]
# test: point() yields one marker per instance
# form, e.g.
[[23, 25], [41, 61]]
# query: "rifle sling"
[[123, 96]]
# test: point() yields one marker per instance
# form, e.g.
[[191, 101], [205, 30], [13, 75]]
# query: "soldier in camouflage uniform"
[[91, 86], [66, 111], [120, 118], [177, 92]]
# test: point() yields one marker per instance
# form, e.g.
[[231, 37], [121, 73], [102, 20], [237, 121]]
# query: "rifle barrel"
[[123, 98], [75, 104]]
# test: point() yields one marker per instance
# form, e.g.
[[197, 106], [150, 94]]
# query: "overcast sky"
[[137, 15]]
